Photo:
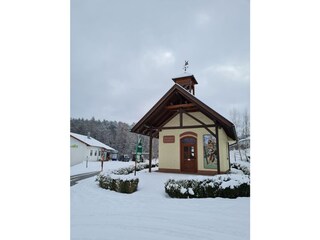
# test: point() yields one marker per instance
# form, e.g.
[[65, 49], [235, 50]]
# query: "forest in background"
[[114, 134]]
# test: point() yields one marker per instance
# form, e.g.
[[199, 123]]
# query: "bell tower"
[[187, 81]]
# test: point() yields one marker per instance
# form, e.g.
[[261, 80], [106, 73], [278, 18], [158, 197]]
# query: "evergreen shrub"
[[118, 184], [130, 169], [224, 186]]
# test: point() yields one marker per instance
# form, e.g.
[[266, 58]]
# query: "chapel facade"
[[193, 138]]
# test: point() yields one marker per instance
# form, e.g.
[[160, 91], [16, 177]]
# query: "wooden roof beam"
[[178, 106]]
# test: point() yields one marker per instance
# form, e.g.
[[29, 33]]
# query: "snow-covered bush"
[[117, 180], [118, 183], [242, 166], [225, 186], [130, 169]]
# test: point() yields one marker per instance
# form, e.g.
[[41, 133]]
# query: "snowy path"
[[75, 178], [151, 215]]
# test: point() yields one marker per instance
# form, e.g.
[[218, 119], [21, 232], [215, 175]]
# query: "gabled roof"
[[91, 142], [162, 112]]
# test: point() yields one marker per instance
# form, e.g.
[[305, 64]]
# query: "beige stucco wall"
[[169, 153], [188, 121], [223, 150]]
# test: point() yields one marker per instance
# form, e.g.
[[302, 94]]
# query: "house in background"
[[83, 148], [193, 138]]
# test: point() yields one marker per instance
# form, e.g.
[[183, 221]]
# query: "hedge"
[[130, 169], [224, 186], [115, 183]]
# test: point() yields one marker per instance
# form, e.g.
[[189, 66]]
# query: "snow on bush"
[[244, 167], [117, 180], [130, 169], [225, 186], [118, 183]]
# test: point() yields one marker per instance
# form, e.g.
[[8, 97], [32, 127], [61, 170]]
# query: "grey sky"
[[124, 54]]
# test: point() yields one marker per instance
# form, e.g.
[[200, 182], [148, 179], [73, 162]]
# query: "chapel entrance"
[[188, 155]]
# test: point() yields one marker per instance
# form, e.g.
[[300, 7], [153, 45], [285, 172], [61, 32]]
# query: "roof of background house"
[[91, 141]]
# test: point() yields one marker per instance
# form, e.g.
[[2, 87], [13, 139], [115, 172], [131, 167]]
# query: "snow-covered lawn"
[[96, 166], [149, 213]]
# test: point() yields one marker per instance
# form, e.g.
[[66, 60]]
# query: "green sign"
[[139, 148]]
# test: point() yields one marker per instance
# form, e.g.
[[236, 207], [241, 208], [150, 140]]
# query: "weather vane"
[[186, 65]]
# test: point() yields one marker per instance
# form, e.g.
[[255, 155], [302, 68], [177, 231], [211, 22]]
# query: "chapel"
[[193, 138]]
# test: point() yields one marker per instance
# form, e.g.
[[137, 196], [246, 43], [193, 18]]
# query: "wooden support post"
[[218, 153], [229, 157], [181, 117], [150, 150]]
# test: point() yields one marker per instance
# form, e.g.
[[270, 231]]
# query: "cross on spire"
[[186, 65]]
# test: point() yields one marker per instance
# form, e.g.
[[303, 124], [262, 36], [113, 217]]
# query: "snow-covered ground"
[[150, 214], [96, 166]]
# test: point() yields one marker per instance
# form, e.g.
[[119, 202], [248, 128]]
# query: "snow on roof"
[[185, 74], [91, 141]]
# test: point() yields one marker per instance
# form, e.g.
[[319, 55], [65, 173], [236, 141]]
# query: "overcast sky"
[[125, 53]]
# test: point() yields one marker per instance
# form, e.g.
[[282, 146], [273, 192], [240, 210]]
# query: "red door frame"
[[195, 169]]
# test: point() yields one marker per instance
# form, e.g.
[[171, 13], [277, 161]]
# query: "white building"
[[83, 148]]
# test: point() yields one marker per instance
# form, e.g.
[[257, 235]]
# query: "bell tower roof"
[[187, 81]]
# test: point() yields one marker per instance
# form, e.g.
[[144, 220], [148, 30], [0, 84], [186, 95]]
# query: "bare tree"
[[241, 120], [246, 123]]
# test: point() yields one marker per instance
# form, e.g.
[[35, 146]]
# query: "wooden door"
[[188, 154]]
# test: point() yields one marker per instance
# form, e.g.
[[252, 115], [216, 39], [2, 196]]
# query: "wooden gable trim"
[[187, 127], [230, 128], [178, 106], [138, 125], [158, 113], [168, 120], [218, 151]]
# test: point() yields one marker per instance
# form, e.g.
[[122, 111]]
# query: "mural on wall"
[[210, 151]]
